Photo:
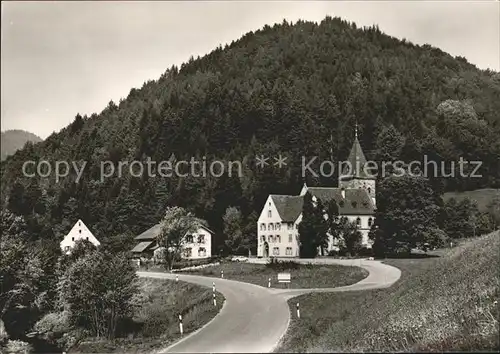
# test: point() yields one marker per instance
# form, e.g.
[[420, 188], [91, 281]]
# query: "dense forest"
[[290, 89]]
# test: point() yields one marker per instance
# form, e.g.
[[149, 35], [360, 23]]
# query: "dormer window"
[[358, 221]]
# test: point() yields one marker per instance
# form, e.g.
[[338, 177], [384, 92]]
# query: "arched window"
[[278, 238], [278, 226], [271, 227], [269, 213], [370, 222], [358, 221]]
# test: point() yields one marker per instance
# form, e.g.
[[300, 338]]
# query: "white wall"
[[78, 232], [278, 237], [196, 246]]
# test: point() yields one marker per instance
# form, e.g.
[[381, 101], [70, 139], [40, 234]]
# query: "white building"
[[78, 232], [278, 223], [197, 245]]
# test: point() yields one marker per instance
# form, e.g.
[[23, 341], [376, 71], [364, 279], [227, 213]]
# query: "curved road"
[[253, 318]]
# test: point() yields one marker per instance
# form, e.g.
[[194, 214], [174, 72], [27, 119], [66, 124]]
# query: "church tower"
[[354, 174]]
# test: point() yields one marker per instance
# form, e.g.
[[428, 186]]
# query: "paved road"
[[253, 318]]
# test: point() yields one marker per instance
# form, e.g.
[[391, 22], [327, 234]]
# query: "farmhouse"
[[78, 232], [196, 246], [277, 226]]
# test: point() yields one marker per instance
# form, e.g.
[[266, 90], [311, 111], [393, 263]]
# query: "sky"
[[63, 58]]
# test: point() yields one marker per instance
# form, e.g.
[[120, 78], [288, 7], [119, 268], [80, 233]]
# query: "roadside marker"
[[269, 283], [176, 277], [180, 325], [215, 301], [213, 286], [298, 310], [222, 274]]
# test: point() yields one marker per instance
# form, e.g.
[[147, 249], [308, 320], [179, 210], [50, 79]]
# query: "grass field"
[[161, 302], [302, 275], [483, 197], [448, 303]]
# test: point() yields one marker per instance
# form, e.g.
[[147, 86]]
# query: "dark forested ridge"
[[13, 140], [282, 89]]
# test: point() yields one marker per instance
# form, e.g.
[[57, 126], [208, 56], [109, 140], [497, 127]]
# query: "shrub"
[[278, 265]]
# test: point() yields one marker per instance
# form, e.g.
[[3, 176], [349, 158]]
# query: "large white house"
[[79, 232], [197, 245], [278, 223]]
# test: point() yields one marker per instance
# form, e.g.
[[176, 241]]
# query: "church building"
[[278, 224]]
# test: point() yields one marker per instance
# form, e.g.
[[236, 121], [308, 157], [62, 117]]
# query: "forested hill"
[[13, 140], [282, 89]]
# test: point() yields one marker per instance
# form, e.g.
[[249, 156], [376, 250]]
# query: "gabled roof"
[[151, 233], [356, 161], [141, 246], [357, 200], [289, 207]]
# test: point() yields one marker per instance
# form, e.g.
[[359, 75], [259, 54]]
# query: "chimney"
[[343, 192]]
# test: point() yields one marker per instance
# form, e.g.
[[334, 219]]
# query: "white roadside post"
[[215, 301], [298, 310], [222, 274], [269, 283], [181, 328], [176, 277], [213, 287]]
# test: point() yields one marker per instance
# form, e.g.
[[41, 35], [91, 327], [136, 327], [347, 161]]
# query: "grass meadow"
[[302, 275], [445, 303]]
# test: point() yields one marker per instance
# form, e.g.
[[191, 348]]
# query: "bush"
[[278, 265], [365, 252], [194, 262]]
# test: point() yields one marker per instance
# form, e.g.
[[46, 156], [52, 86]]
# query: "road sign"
[[284, 277]]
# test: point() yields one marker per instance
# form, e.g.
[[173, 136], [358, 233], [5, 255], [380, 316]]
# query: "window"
[[263, 227], [369, 190], [79, 231], [269, 213], [370, 222], [87, 238], [188, 252], [288, 251], [276, 251], [67, 248], [202, 252], [358, 221], [278, 226], [290, 238], [263, 238], [271, 238], [72, 239], [278, 238], [290, 226], [271, 227], [201, 238], [189, 238]]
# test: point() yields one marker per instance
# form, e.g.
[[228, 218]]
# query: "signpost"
[[284, 278]]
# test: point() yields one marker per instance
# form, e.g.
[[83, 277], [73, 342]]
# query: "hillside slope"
[[285, 89], [13, 140], [440, 304], [483, 197]]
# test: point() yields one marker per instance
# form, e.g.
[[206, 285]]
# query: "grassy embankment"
[[302, 275], [449, 303], [161, 302]]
